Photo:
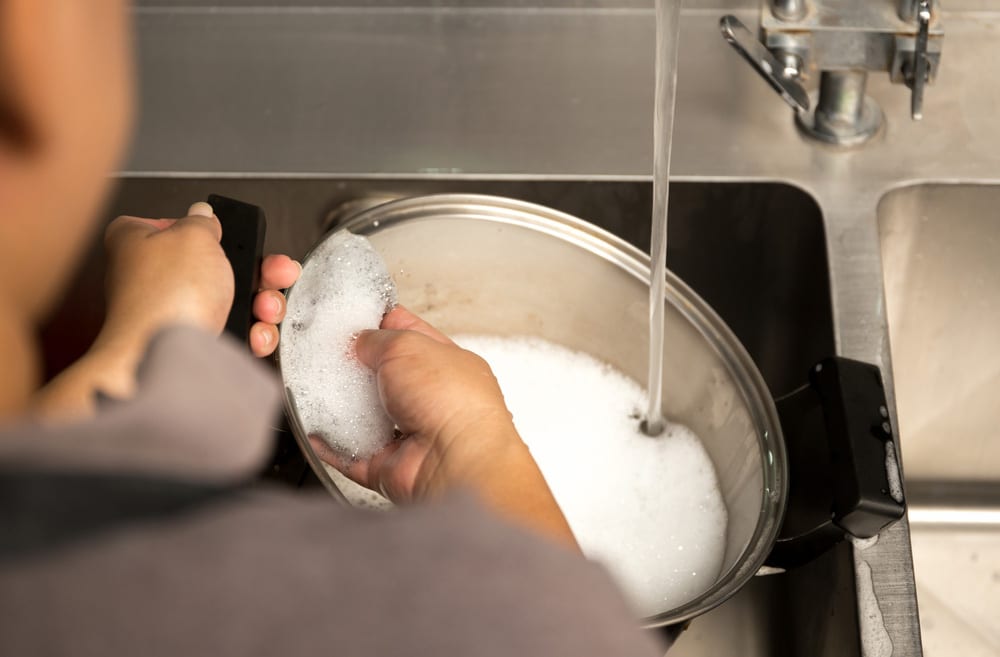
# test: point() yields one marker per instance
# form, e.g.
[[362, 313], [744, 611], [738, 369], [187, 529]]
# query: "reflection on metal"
[[775, 73], [920, 69], [844, 115], [789, 10], [954, 517]]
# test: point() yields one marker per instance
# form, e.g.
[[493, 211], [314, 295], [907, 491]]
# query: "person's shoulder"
[[269, 572], [456, 579]]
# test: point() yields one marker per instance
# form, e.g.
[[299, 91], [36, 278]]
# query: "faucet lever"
[[765, 63], [921, 64]]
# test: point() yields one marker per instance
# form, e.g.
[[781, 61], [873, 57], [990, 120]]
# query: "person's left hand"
[[277, 272], [173, 271], [161, 273]]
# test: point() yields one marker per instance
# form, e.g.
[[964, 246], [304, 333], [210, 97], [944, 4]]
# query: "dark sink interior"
[[755, 251]]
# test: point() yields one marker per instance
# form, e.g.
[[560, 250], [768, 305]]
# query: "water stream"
[[667, 35]]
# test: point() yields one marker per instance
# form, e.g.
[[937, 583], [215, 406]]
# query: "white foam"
[[864, 543], [892, 472], [875, 638], [344, 288], [648, 508]]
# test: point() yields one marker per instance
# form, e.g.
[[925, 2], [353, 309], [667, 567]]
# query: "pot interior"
[[479, 265]]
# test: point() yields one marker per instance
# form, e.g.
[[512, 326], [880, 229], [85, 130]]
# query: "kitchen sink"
[[755, 251], [940, 248], [940, 251]]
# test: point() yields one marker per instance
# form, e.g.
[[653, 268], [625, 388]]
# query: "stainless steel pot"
[[480, 264], [475, 264]]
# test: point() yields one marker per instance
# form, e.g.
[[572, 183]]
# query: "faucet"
[[842, 40]]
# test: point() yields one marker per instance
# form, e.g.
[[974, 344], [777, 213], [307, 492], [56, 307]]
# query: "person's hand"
[[277, 272], [162, 272], [172, 271], [444, 400], [456, 429]]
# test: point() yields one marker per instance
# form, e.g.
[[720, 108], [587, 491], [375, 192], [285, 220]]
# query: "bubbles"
[[892, 472], [344, 288], [648, 508]]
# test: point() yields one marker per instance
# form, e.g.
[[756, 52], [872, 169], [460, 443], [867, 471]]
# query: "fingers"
[[370, 345], [356, 470], [263, 339], [269, 306], [278, 272], [200, 209], [374, 348], [401, 319]]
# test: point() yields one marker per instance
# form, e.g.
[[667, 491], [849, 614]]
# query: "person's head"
[[65, 113]]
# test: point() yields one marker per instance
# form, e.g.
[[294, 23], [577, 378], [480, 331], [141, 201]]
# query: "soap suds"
[[648, 508], [892, 472], [863, 543], [344, 288], [874, 637]]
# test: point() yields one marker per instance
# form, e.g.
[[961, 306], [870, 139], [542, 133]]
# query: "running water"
[[667, 35]]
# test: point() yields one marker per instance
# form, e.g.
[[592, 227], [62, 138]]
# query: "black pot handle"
[[844, 474], [243, 228]]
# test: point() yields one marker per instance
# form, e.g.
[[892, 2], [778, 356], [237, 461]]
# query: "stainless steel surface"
[[843, 115], [941, 249], [848, 34], [921, 65], [789, 10], [565, 95], [907, 10], [779, 74]]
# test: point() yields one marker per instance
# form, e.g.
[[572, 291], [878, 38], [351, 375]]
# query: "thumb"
[[201, 215], [370, 344], [127, 228]]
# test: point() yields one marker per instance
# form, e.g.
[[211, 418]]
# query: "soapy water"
[[344, 288], [648, 508]]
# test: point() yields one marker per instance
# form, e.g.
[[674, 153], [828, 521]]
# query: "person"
[[129, 522]]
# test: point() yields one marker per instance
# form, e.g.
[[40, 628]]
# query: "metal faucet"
[[842, 40]]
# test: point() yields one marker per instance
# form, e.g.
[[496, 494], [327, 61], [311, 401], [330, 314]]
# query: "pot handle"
[[844, 474], [243, 228]]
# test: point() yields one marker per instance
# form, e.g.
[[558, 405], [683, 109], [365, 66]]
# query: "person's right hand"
[[457, 431], [445, 401]]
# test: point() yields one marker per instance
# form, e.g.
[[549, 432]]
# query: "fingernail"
[[265, 337], [299, 265], [275, 306], [200, 209]]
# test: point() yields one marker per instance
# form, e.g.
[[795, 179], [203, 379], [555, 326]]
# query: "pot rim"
[[692, 307]]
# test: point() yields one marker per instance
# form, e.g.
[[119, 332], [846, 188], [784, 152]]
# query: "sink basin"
[[941, 262], [755, 251]]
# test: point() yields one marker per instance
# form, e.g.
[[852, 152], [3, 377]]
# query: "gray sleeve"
[[276, 574]]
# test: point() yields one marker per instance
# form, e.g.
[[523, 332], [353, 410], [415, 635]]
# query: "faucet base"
[[824, 123]]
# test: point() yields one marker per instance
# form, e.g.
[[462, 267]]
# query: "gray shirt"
[[135, 533]]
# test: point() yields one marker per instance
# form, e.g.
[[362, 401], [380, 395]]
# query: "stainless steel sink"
[[940, 255], [755, 251], [941, 263]]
